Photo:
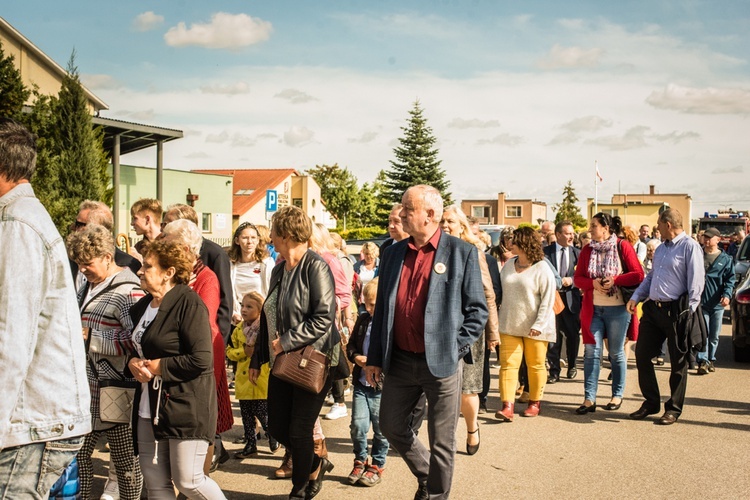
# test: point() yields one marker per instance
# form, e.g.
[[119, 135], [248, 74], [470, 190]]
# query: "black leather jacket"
[[305, 315]]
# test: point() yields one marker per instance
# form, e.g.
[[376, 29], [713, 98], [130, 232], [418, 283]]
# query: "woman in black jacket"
[[174, 410], [299, 310]]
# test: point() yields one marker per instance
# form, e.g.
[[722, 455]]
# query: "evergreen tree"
[[13, 93], [568, 209], [416, 161], [75, 164]]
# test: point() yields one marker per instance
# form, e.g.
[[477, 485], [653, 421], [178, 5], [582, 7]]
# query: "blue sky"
[[521, 96]]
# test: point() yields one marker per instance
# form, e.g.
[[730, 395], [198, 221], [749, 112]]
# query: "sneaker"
[[702, 368], [111, 491], [372, 476], [711, 367], [357, 471], [336, 411]]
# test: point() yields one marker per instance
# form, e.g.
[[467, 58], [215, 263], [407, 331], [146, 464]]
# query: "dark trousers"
[[291, 417], [486, 376], [657, 324], [568, 326], [407, 380], [337, 390]]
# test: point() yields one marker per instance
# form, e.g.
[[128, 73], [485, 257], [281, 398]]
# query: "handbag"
[[306, 368], [559, 304], [626, 291], [116, 401]]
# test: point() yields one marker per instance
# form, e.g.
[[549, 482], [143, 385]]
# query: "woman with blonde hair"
[[454, 222]]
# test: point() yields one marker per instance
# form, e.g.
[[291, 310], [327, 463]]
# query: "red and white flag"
[[598, 175]]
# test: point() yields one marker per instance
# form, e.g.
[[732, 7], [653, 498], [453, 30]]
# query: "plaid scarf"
[[604, 261]]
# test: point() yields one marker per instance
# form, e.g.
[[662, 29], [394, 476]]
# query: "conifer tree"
[[13, 93], [568, 209], [416, 161]]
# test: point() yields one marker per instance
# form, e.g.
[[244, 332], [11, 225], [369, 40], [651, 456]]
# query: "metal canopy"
[[133, 136]]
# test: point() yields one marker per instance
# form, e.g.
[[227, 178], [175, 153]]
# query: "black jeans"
[[569, 326], [291, 418], [657, 324]]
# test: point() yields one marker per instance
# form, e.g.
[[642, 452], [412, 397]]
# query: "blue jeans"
[[366, 411], [612, 322], [29, 471], [713, 322]]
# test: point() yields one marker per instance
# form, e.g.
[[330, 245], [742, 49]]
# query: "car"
[[740, 312], [742, 259], [494, 230]]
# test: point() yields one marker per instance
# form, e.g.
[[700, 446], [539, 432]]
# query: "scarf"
[[605, 260], [251, 331]]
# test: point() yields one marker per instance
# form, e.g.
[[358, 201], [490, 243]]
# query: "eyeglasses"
[[80, 225]]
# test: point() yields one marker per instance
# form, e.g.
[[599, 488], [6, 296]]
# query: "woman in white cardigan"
[[526, 321]]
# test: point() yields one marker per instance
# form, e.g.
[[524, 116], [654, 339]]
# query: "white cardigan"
[[528, 301]]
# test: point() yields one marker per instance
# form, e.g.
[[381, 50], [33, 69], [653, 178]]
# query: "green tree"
[[374, 207], [13, 93], [338, 189], [74, 162], [416, 160], [568, 209]]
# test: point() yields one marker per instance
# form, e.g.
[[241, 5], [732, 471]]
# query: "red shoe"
[[506, 414], [533, 409]]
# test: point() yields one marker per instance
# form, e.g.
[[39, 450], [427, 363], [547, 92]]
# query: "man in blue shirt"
[[677, 270]]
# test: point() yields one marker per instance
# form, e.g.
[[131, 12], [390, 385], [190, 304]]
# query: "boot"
[[320, 448], [533, 409], [506, 414], [285, 470]]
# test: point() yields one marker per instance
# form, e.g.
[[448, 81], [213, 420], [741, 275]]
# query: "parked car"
[[740, 310], [494, 230], [742, 259]]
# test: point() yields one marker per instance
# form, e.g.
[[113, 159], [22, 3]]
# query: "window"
[[614, 212], [297, 202], [480, 212], [513, 211], [206, 223]]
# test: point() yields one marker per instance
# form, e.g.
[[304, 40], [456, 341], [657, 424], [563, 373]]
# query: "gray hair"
[[99, 213], [93, 241], [17, 151], [187, 232], [431, 199], [652, 244]]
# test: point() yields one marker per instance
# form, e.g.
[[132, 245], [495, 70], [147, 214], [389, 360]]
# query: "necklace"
[[522, 266]]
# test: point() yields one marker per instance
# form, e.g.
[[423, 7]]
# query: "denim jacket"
[[42, 362]]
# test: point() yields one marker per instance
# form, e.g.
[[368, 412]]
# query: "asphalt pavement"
[[558, 454]]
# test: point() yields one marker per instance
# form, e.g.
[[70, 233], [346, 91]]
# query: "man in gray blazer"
[[430, 309]]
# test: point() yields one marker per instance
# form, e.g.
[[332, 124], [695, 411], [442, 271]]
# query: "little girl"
[[252, 397]]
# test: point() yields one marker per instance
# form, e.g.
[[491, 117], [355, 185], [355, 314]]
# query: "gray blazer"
[[456, 308]]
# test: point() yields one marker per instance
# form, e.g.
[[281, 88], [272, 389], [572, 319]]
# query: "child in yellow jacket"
[[252, 397]]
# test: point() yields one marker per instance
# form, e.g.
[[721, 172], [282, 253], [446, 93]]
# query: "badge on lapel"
[[439, 268]]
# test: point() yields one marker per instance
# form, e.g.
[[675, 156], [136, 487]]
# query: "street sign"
[[272, 200]]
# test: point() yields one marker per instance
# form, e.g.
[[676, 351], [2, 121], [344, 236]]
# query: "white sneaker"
[[111, 491], [329, 400], [336, 411]]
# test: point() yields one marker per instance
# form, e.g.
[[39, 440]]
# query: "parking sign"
[[272, 200]]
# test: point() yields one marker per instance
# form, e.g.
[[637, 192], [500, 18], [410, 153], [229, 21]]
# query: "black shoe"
[[612, 406], [572, 372], [667, 419], [273, 444], [642, 413], [482, 407], [421, 493], [247, 452], [553, 379], [315, 485], [471, 449], [583, 409]]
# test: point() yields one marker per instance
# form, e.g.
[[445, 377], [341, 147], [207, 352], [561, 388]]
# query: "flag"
[[598, 175]]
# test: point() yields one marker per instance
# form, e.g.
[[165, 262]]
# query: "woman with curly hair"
[[526, 321]]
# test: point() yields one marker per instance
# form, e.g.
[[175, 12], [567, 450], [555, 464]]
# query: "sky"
[[521, 96]]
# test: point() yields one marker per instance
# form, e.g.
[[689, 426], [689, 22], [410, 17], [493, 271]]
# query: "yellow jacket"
[[243, 388]]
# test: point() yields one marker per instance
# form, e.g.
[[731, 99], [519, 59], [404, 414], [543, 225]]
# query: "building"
[[251, 187], [506, 211], [638, 209]]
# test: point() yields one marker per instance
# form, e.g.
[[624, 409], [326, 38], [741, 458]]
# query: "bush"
[[361, 233]]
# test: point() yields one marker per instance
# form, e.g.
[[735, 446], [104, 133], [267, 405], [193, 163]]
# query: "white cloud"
[[100, 82], [147, 21], [504, 139], [143, 115], [226, 89], [198, 155], [220, 138], [701, 100], [573, 130], [570, 57], [363, 139], [242, 141], [473, 123], [298, 136], [225, 31], [634, 138], [295, 96], [677, 137], [739, 169]]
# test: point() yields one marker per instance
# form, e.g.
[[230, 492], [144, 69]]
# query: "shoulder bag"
[[116, 401], [626, 291], [306, 368]]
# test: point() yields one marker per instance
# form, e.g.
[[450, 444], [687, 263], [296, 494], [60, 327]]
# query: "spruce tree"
[[13, 93], [416, 161], [76, 164], [568, 209]]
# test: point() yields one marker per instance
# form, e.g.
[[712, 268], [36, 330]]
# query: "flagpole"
[[596, 187]]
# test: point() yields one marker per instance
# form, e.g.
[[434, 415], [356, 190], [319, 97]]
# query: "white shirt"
[[144, 410]]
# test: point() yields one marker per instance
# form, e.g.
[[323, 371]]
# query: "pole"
[[596, 187]]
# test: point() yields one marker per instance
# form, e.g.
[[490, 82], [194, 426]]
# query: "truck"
[[727, 222]]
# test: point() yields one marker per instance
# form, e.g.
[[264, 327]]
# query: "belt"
[[663, 303]]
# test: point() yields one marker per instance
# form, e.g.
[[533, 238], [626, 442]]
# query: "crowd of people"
[[411, 325]]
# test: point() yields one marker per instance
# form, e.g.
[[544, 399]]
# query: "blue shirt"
[[677, 268]]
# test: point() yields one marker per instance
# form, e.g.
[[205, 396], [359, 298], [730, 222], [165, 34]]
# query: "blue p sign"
[[272, 201]]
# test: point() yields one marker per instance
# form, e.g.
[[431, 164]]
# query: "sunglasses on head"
[[80, 225]]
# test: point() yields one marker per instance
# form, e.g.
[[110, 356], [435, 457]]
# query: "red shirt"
[[411, 298]]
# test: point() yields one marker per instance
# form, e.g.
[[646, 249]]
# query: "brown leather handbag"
[[559, 304], [306, 368]]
